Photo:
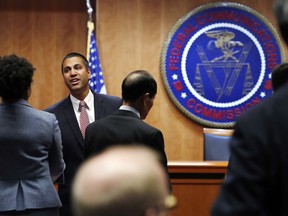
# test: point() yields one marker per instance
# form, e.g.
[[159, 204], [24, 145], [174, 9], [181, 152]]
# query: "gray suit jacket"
[[30, 156]]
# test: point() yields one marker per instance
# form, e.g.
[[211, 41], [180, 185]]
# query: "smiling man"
[[76, 75]]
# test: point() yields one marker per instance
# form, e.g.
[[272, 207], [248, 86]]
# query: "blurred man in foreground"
[[122, 181]]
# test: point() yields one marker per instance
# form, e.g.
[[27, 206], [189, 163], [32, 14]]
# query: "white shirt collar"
[[129, 108], [89, 100]]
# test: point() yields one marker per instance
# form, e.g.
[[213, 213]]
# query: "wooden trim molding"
[[196, 185]]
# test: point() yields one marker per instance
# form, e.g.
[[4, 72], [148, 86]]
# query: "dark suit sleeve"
[[158, 145], [88, 140], [244, 188], [92, 143]]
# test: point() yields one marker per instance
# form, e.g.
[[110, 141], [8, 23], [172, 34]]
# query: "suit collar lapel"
[[72, 121], [98, 107]]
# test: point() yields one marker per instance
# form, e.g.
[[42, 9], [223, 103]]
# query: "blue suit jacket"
[[72, 140], [30, 150]]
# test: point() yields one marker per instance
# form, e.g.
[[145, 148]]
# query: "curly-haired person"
[[30, 146]]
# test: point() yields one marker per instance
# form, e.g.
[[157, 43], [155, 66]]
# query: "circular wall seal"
[[217, 61]]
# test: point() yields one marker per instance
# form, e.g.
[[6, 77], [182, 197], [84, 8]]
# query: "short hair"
[[279, 76], [75, 54], [136, 84], [16, 76]]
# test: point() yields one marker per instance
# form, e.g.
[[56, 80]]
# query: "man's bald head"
[[127, 180]]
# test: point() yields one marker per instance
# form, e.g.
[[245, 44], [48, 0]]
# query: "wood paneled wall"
[[130, 35], [44, 32]]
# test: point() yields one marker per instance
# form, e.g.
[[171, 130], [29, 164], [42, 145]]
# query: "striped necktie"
[[84, 120]]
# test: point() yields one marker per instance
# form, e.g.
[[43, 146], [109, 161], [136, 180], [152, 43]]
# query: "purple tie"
[[84, 120]]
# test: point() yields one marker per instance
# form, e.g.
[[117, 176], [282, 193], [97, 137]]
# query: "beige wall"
[[130, 35]]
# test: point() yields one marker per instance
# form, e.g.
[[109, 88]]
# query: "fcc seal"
[[217, 61]]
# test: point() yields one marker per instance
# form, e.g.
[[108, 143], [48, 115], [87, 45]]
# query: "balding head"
[[122, 181], [138, 83], [139, 89]]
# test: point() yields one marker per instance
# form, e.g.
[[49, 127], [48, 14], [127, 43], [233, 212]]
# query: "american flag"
[[96, 80]]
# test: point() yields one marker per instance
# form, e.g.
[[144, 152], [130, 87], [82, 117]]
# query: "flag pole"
[[90, 26], [96, 81]]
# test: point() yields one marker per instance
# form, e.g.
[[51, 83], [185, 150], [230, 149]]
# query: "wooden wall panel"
[[43, 32], [130, 35]]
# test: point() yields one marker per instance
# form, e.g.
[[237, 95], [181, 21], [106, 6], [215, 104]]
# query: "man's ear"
[[89, 73], [146, 98]]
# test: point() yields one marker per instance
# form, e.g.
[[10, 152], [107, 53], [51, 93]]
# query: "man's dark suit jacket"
[[257, 179], [72, 140], [123, 127]]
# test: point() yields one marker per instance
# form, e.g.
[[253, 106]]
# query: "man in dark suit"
[[125, 125], [76, 74], [257, 176]]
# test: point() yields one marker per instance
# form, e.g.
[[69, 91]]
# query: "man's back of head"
[[139, 89], [279, 76], [122, 181], [136, 84]]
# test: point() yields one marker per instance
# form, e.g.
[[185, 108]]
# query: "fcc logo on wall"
[[217, 61]]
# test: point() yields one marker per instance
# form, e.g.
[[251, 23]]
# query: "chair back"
[[216, 144]]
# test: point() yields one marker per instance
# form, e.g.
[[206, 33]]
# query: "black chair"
[[216, 144]]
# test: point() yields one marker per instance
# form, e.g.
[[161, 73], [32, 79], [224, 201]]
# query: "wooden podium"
[[196, 185]]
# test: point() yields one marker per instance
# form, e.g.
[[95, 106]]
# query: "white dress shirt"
[[89, 100]]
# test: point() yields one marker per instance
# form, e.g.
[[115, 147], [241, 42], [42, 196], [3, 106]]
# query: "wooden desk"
[[196, 185]]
